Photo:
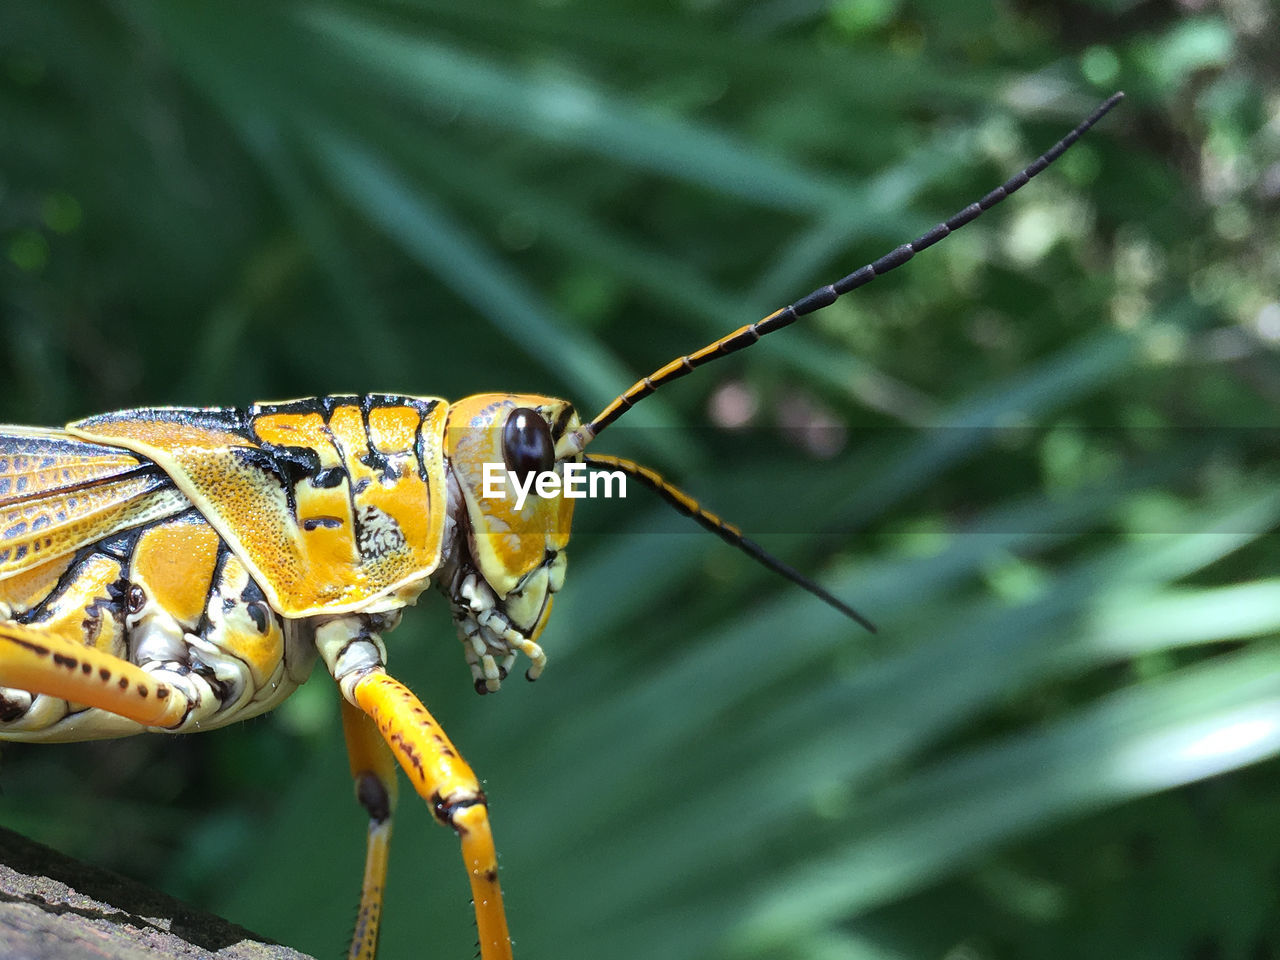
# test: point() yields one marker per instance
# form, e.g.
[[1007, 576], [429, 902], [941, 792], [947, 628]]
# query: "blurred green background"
[[1041, 457]]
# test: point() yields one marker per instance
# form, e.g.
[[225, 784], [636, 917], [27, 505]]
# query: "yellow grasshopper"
[[179, 569]]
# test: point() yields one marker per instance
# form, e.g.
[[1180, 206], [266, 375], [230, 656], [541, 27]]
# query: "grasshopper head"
[[512, 528]]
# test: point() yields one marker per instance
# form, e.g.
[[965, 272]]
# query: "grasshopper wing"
[[59, 493]]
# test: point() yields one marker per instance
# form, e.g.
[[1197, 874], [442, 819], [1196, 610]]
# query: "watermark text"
[[578, 483]]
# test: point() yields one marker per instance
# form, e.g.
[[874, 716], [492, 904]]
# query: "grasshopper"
[[178, 569]]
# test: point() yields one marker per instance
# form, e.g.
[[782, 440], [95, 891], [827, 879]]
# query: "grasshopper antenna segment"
[[727, 532], [574, 443]]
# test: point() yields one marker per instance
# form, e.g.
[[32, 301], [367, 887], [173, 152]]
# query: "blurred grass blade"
[[567, 111], [1197, 723], [1133, 625]]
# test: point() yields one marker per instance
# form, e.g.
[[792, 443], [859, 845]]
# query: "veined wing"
[[59, 493]]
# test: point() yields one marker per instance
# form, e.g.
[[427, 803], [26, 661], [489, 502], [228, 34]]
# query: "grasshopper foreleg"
[[376, 703]]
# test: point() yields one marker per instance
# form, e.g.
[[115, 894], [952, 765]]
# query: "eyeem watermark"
[[578, 483]]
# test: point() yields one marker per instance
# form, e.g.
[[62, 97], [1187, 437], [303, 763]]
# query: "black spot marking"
[[373, 797], [143, 691], [259, 613], [252, 592], [162, 692], [123, 683], [328, 478], [298, 463], [379, 462], [104, 673], [10, 709], [86, 668], [312, 523]]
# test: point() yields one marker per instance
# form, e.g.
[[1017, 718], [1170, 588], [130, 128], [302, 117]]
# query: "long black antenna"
[[573, 443], [725, 531]]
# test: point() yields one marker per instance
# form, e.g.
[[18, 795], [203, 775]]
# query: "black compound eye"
[[526, 443]]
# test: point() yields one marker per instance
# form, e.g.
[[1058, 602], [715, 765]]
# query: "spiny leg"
[[446, 782], [41, 662], [374, 771]]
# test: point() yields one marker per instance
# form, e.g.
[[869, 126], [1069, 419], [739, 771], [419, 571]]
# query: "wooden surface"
[[55, 908]]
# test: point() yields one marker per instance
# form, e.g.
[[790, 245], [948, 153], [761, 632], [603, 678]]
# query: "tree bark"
[[55, 908]]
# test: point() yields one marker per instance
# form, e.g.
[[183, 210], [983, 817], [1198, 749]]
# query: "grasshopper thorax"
[[504, 557]]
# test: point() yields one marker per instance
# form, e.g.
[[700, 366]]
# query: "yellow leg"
[[446, 782], [41, 662], [374, 771]]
